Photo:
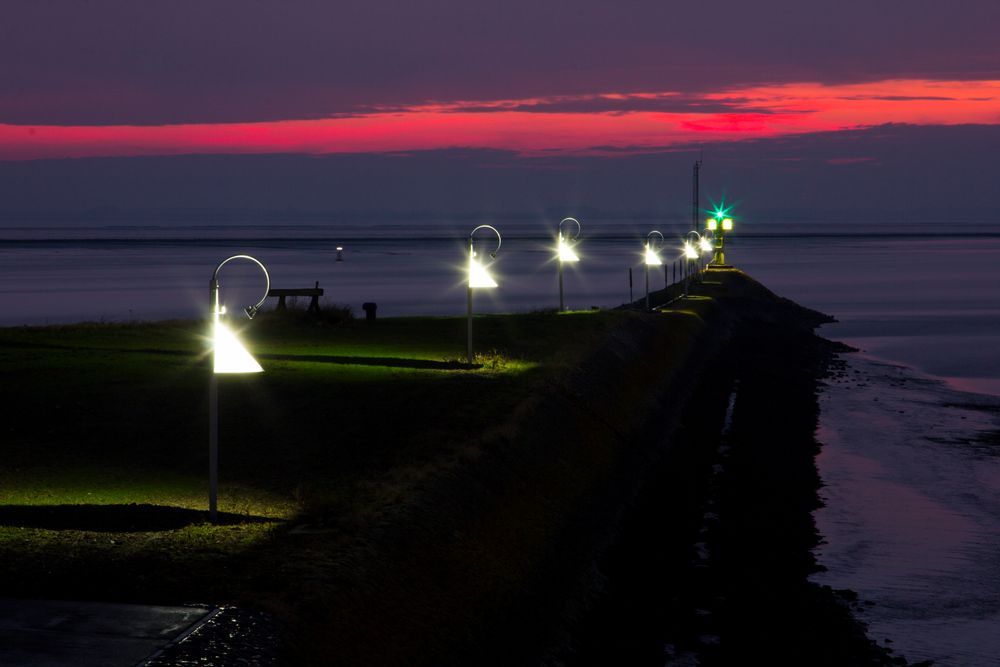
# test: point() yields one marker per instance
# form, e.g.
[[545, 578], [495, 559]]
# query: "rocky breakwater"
[[657, 494]]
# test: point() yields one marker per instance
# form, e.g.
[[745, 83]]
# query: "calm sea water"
[[922, 295], [911, 468], [120, 273], [911, 519]]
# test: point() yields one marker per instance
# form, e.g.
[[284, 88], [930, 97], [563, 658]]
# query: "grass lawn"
[[103, 489]]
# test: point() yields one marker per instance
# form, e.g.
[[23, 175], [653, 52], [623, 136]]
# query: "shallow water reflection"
[[911, 470]]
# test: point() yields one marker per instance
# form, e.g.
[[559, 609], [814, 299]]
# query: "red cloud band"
[[529, 127]]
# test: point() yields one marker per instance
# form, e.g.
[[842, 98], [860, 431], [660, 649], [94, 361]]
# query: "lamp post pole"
[[213, 405], [213, 382], [478, 277], [213, 446], [468, 303], [695, 202], [690, 252], [646, 267], [562, 306], [565, 254], [685, 276], [213, 411], [652, 258]]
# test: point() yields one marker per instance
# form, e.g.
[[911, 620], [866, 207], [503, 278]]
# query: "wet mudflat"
[[911, 472]]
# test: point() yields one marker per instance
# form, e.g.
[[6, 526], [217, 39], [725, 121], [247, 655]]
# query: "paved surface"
[[45, 633], [228, 637]]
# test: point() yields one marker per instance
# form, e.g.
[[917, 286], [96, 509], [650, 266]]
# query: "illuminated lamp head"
[[705, 244], [690, 252], [712, 224], [479, 275], [652, 257], [653, 242], [566, 253], [727, 224], [565, 250], [229, 355]]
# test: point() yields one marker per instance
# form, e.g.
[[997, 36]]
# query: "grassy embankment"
[[332, 461], [392, 507]]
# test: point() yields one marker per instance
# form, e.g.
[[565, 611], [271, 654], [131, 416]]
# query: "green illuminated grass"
[[370, 479], [103, 490]]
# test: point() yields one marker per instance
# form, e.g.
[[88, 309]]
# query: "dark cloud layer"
[[170, 61], [889, 172], [619, 104]]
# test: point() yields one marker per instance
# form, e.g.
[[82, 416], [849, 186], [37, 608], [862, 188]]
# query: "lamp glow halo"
[[693, 245], [229, 354], [652, 257], [479, 276], [565, 252]]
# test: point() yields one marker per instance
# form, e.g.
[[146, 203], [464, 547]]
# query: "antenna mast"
[[695, 203]]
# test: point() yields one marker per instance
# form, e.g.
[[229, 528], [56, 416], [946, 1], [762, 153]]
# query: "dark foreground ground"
[[605, 488]]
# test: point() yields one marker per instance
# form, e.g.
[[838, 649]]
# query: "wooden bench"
[[313, 292]]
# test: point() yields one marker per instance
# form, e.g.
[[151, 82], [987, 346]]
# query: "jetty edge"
[[522, 551]]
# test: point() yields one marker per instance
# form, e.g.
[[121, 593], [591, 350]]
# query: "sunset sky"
[[536, 104]]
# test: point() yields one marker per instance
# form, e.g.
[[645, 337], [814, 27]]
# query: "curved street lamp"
[[705, 244], [692, 252], [566, 253], [479, 277], [229, 356], [696, 245], [652, 256]]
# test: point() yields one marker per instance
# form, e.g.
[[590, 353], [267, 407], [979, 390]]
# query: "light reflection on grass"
[[81, 485], [105, 469]]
